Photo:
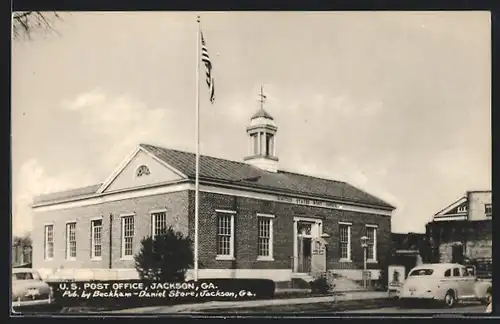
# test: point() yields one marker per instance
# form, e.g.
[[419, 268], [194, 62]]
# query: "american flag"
[[208, 65]]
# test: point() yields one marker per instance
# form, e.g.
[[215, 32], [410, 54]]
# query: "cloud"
[[121, 122], [118, 122], [32, 180]]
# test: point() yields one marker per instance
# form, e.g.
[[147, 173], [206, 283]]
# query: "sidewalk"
[[192, 308]]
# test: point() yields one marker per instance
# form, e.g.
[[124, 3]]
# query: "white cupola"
[[261, 138]]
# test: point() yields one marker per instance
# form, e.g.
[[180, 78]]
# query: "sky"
[[395, 103]]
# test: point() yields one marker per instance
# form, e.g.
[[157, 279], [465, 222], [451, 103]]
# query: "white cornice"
[[211, 188]]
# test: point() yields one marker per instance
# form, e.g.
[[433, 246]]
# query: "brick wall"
[[180, 213], [176, 205], [476, 236], [246, 232], [358, 229]]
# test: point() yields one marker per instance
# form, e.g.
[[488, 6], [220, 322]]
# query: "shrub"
[[321, 286], [165, 257]]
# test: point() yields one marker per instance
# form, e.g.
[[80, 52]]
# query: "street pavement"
[[459, 309], [289, 303]]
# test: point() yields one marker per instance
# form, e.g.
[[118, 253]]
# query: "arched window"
[[142, 171]]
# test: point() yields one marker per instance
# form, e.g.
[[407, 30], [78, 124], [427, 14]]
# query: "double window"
[[71, 240], [371, 250], [49, 242], [127, 245], [159, 223], [225, 234], [264, 237], [345, 241], [96, 239], [487, 210]]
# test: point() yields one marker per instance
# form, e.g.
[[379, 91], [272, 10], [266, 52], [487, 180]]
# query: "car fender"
[[440, 291], [481, 288]]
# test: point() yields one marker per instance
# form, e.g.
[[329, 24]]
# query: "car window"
[[456, 272], [447, 273], [464, 272], [421, 272], [25, 276]]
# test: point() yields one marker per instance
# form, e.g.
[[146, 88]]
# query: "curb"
[[326, 307], [368, 304]]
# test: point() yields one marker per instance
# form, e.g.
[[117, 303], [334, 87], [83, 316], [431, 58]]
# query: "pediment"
[[458, 207], [142, 169]]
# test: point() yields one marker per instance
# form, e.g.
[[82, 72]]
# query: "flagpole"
[[197, 180]]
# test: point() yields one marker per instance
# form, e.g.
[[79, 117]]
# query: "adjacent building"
[[408, 250], [463, 230], [255, 220], [21, 253]]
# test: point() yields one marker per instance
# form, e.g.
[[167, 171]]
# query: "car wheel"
[[450, 298], [487, 298]]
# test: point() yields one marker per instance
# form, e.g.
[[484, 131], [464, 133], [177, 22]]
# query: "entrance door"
[[305, 252]]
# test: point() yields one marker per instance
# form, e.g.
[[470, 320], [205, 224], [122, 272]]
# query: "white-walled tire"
[[450, 299]]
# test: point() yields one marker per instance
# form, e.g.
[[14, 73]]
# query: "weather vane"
[[262, 98]]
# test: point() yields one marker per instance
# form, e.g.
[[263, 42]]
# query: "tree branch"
[[26, 22]]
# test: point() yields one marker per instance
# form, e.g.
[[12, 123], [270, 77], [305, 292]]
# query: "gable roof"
[[451, 209], [239, 173]]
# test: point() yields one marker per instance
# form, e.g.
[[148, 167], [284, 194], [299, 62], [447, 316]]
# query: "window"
[[142, 171], [127, 236], [456, 272], [255, 141], [71, 240], [225, 234], [49, 242], [345, 241], [462, 209], [159, 223], [371, 251], [487, 210], [269, 144], [447, 273], [26, 276], [304, 228], [464, 272], [421, 272], [96, 238], [265, 237]]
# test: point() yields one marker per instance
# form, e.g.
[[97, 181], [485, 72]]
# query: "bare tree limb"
[[24, 23]]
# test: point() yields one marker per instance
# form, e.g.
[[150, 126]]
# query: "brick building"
[[463, 230], [255, 221]]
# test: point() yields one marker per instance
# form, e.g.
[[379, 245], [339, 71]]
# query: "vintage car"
[[447, 282], [488, 308], [28, 289]]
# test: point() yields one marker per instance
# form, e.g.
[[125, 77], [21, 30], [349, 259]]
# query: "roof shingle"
[[262, 113], [232, 171], [71, 193]]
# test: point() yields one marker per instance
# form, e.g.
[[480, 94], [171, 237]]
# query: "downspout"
[[110, 241], [466, 225]]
